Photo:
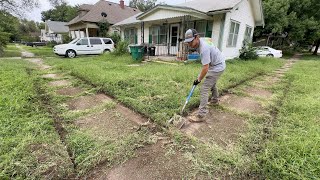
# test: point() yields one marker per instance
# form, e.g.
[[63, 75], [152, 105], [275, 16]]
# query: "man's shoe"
[[214, 101]]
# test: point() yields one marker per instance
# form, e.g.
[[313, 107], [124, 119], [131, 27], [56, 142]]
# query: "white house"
[[227, 22], [53, 31]]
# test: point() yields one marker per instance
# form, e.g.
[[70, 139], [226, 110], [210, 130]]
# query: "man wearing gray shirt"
[[213, 65]]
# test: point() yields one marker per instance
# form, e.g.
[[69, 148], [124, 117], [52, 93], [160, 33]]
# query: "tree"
[[142, 5], [61, 12], [297, 18]]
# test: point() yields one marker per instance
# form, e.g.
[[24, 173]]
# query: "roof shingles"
[[113, 10]]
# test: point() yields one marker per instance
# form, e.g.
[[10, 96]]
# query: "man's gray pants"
[[210, 83]]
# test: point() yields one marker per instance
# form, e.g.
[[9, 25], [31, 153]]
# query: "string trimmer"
[[178, 118]]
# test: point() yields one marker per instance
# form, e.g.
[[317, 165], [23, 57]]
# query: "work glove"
[[196, 82]]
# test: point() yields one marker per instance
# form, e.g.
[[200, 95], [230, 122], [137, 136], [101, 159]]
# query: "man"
[[213, 65]]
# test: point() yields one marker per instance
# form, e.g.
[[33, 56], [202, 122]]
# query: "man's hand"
[[196, 82]]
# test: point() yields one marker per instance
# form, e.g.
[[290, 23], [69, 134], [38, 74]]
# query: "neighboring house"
[[53, 31], [227, 22], [86, 23]]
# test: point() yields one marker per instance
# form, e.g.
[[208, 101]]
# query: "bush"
[[51, 44], [66, 38], [122, 48], [4, 39], [248, 52], [115, 37]]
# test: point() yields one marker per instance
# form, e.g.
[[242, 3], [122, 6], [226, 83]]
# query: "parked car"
[[35, 44], [266, 51], [84, 46]]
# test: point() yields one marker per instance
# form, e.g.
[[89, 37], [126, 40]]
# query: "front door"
[[174, 36]]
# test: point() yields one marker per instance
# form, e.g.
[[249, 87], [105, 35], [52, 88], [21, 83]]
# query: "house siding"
[[245, 17], [216, 29]]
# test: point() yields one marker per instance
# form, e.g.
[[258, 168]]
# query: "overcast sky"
[[44, 5]]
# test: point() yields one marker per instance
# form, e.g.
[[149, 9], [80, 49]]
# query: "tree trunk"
[[317, 47]]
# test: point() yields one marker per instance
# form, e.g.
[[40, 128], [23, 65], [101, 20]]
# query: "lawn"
[[293, 152], [153, 89], [11, 51], [30, 148], [41, 51]]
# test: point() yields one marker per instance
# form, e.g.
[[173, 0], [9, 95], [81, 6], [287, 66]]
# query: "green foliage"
[[155, 90], [248, 52], [41, 51], [61, 12], [142, 5], [115, 37], [103, 28], [4, 39], [299, 18], [121, 48], [66, 38], [294, 149], [29, 144], [11, 51]]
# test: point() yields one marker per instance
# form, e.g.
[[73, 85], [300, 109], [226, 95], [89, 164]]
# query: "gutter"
[[221, 11]]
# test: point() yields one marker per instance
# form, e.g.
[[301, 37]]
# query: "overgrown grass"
[[293, 152], [30, 148], [11, 51], [41, 51], [153, 89]]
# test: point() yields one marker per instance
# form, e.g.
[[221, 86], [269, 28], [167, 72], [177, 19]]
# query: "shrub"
[[115, 37], [122, 48], [51, 44], [66, 38], [4, 39], [248, 52]]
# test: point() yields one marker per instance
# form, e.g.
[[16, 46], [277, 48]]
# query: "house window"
[[247, 35], [233, 34], [158, 35], [201, 27], [130, 35]]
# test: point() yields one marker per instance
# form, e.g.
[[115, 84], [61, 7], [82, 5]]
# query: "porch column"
[[79, 33], [142, 32], [87, 32]]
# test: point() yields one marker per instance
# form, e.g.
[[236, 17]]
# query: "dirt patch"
[[44, 67], [220, 128], [133, 116], [87, 102], [36, 61], [261, 93], [152, 162], [27, 54], [242, 104], [70, 91], [108, 124], [51, 76], [59, 83]]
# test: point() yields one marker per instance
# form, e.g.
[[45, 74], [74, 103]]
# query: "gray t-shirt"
[[211, 55]]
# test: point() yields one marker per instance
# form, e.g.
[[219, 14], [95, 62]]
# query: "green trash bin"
[[137, 52]]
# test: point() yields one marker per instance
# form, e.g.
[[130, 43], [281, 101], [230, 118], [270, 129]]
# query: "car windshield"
[[73, 41]]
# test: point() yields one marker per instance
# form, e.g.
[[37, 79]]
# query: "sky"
[[45, 5]]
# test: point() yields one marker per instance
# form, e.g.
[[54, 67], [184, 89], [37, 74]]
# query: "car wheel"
[[106, 51], [270, 55], [71, 53]]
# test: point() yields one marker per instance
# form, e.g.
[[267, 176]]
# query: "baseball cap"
[[190, 35]]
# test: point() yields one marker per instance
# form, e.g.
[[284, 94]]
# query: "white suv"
[[85, 45]]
